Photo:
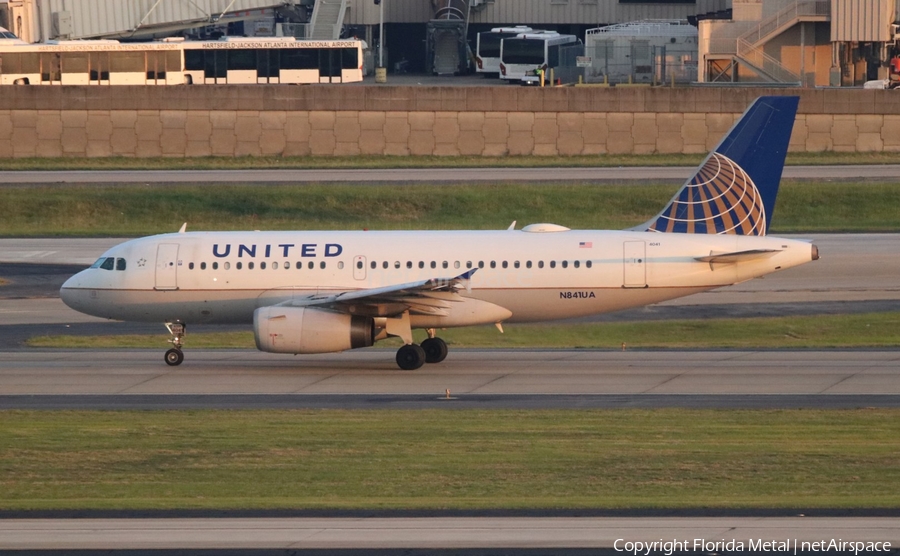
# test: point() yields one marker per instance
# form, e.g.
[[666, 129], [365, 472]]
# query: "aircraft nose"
[[72, 292]]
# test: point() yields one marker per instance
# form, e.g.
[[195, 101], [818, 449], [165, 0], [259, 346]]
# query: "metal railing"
[[785, 18], [650, 65], [754, 56]]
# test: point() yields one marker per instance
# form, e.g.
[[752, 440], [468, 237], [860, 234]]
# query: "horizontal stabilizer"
[[738, 256]]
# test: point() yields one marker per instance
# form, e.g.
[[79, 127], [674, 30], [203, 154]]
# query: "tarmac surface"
[[625, 174], [701, 535], [369, 378]]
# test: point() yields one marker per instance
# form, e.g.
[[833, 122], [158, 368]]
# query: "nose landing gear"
[[175, 356]]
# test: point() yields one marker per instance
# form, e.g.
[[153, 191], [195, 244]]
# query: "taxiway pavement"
[[444, 533], [634, 174], [472, 375]]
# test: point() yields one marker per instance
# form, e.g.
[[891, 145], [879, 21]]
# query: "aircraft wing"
[[429, 297]]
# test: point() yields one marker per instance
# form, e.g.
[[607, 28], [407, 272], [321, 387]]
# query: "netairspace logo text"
[[669, 547]]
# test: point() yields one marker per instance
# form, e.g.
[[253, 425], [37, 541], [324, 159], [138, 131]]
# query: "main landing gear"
[[411, 356], [175, 356]]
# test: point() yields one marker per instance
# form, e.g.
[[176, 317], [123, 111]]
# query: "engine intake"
[[302, 330]]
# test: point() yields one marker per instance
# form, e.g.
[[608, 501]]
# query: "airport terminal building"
[[783, 42]]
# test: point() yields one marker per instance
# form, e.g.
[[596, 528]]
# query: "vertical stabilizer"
[[734, 189]]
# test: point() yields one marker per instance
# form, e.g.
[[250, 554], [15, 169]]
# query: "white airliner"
[[318, 292]]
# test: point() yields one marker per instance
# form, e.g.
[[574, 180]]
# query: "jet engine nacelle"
[[302, 330]]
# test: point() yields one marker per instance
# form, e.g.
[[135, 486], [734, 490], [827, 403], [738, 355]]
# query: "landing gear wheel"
[[174, 357], [435, 350], [410, 357]]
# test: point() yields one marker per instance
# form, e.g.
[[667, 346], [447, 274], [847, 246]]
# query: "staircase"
[[445, 44], [749, 48], [327, 19], [745, 45]]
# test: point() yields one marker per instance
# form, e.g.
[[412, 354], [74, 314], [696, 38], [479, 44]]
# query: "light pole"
[[380, 70]]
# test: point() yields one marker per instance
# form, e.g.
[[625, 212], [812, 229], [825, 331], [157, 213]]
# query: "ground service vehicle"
[[521, 55], [178, 61]]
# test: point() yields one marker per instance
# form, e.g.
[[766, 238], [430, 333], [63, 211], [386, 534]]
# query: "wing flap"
[[431, 297]]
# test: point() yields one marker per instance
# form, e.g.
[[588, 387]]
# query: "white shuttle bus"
[[521, 55], [176, 61], [487, 48]]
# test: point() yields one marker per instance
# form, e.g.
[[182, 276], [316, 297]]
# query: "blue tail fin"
[[734, 190]]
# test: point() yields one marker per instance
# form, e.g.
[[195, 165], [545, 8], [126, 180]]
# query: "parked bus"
[[177, 61], [487, 48], [521, 55]]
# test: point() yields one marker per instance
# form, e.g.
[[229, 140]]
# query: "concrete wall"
[[349, 120]]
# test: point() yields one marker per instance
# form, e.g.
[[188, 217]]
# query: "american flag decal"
[[586, 244]]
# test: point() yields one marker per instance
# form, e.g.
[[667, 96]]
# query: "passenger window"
[[287, 265], [262, 265], [408, 264], [480, 264], [433, 264], [312, 265], [516, 264], [322, 265], [396, 264], [227, 266], [505, 264], [202, 266], [274, 266], [250, 265], [444, 264], [540, 264], [588, 264], [528, 264], [359, 265], [493, 264], [384, 265], [421, 264], [456, 264], [565, 264], [552, 264], [468, 264], [190, 266], [120, 264], [215, 266], [239, 265], [577, 264], [340, 265]]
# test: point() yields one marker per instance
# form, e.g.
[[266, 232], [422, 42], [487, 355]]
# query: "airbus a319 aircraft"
[[315, 292]]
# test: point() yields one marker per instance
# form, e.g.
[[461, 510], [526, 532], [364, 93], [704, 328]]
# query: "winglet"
[[183, 228], [512, 226]]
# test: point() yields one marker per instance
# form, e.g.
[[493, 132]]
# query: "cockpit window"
[[106, 263], [120, 264]]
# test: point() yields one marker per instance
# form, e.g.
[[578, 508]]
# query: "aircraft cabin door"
[[359, 267], [635, 264], [167, 266]]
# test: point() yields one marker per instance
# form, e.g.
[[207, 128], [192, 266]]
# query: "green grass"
[[819, 331], [439, 459], [134, 210], [367, 161]]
